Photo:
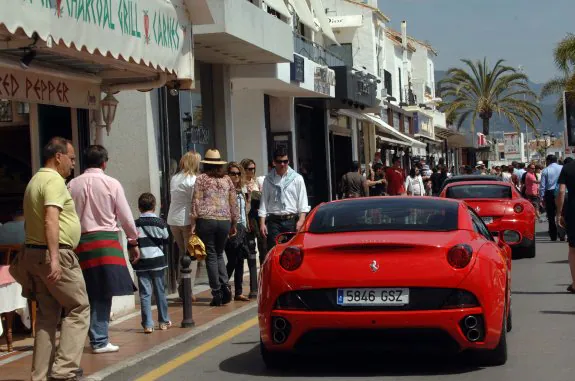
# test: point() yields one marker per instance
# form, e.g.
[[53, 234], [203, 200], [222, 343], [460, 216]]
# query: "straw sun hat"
[[213, 156]]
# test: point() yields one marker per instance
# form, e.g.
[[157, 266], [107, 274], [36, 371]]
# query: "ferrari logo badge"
[[478, 209], [374, 266]]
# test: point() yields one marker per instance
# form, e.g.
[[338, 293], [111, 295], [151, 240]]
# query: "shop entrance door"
[[341, 157]]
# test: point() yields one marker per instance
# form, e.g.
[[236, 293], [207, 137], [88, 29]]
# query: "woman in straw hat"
[[214, 217], [181, 191]]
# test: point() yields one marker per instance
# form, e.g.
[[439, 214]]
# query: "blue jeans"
[[148, 282], [99, 322]]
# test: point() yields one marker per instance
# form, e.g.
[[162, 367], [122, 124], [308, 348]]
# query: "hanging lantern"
[[108, 106]]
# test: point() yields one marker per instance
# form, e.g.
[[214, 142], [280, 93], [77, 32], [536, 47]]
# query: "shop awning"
[[319, 10], [454, 138], [279, 6], [390, 130], [340, 22], [303, 13], [155, 33]]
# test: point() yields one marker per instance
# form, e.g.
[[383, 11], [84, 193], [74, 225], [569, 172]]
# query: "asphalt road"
[[541, 345]]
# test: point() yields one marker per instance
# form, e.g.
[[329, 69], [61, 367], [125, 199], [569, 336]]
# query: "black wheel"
[[529, 252], [509, 319], [273, 360], [498, 355]]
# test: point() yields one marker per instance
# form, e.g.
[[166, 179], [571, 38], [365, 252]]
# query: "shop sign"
[[511, 144], [34, 88], [198, 135], [152, 31], [353, 21], [324, 79]]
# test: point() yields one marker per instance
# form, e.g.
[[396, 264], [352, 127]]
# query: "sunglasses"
[[234, 173], [251, 169], [281, 161]]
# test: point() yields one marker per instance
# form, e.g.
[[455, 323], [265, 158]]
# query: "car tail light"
[[518, 208], [291, 258], [459, 256]]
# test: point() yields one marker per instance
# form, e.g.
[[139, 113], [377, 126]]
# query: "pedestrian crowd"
[[73, 261]]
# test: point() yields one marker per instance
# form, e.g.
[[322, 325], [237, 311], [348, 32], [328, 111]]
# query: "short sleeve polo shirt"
[[47, 188]]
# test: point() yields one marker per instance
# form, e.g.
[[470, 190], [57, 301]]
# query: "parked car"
[[505, 212], [386, 273], [459, 178]]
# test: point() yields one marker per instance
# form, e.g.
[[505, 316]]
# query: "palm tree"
[[481, 91], [565, 61]]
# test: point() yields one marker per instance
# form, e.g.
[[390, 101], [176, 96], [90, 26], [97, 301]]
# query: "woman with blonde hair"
[[181, 191], [237, 245], [256, 243]]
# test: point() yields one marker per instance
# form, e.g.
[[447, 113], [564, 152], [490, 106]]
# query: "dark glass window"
[[479, 191], [386, 214]]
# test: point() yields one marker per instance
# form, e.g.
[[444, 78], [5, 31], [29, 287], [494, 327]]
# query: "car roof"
[[458, 178], [390, 199]]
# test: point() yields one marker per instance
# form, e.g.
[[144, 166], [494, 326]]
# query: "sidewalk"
[[127, 332]]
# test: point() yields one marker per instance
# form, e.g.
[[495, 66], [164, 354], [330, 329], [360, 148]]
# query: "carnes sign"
[[150, 30]]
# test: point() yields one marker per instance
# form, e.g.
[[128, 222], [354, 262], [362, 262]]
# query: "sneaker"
[[148, 330], [107, 349], [165, 326]]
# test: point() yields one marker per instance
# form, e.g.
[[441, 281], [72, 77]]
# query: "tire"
[[529, 252], [273, 360], [509, 319], [498, 355]]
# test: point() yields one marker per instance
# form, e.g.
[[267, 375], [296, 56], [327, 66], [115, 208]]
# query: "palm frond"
[[565, 53]]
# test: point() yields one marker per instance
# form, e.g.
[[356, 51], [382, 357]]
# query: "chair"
[[10, 251]]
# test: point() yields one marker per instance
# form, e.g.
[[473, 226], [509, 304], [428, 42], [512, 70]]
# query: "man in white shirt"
[[284, 203]]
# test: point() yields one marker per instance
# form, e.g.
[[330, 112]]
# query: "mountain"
[[548, 120]]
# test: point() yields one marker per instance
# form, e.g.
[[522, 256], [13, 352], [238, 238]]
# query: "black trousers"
[[551, 210], [276, 227]]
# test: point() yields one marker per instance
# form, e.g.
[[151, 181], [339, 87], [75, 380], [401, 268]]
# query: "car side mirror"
[[285, 237]]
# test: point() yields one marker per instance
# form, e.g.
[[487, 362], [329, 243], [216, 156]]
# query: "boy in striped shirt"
[[152, 235]]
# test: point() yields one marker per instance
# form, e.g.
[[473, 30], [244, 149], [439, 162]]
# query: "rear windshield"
[[479, 191], [388, 213]]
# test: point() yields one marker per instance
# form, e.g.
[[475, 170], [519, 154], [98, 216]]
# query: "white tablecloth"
[[12, 300]]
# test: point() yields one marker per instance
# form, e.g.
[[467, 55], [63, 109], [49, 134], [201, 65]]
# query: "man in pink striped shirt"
[[102, 208]]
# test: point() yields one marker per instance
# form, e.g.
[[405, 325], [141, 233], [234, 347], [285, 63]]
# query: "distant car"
[[459, 178], [505, 212], [386, 273]]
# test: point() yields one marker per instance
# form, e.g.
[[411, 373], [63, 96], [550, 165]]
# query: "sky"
[[523, 32]]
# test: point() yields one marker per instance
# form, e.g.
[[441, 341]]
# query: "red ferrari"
[[505, 212], [386, 273]]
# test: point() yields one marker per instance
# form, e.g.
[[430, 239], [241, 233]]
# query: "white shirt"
[[181, 191], [414, 185], [295, 197]]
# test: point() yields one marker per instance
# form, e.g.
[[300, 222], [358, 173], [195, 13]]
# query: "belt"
[[282, 217], [44, 247]]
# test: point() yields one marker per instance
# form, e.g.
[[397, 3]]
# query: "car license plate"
[[487, 220], [373, 296]]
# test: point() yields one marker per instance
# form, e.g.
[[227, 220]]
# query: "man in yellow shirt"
[[52, 233]]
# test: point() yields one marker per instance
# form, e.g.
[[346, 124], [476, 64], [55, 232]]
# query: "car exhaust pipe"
[[471, 322], [280, 324], [473, 335], [279, 337]]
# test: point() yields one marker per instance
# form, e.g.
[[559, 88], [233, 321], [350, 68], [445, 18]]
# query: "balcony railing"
[[315, 52]]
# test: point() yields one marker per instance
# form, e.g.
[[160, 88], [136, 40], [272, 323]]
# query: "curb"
[[134, 360]]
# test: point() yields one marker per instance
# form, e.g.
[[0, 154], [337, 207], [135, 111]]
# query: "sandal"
[[165, 326], [571, 289]]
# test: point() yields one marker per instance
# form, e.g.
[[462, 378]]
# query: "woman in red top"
[[532, 188]]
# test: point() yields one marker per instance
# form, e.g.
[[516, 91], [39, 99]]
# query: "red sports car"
[[386, 273], [505, 212]]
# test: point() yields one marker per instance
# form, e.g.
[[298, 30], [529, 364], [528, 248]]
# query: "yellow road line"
[[196, 352]]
